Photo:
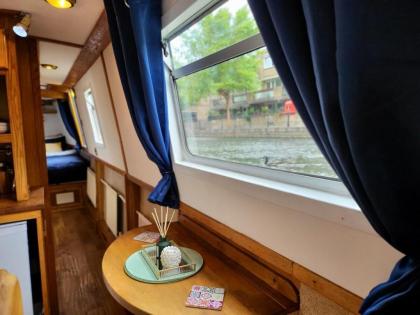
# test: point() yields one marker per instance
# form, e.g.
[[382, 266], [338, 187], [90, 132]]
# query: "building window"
[[241, 113], [268, 62], [93, 117]]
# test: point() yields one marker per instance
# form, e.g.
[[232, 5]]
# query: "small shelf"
[[5, 138]]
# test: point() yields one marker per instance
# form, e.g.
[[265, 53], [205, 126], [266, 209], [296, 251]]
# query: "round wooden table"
[[242, 296]]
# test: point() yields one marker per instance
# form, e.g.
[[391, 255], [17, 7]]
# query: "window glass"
[[230, 113], [268, 62], [230, 23], [93, 117]]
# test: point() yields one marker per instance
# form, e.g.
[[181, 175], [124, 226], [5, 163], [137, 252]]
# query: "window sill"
[[336, 208]]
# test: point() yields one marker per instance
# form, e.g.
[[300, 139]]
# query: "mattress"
[[66, 168]]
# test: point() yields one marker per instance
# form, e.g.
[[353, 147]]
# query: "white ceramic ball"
[[170, 257]]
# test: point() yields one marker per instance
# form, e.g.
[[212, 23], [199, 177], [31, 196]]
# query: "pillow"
[[53, 147], [62, 153], [57, 138]]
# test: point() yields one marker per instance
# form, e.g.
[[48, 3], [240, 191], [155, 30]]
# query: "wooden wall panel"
[[15, 114], [3, 50], [132, 197], [33, 129]]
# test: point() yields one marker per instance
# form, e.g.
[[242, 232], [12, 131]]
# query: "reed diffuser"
[[163, 227]]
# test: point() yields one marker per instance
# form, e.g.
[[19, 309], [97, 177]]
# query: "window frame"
[[96, 126], [250, 44]]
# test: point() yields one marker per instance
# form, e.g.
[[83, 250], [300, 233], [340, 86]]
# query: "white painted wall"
[[53, 125], [95, 79], [352, 258], [137, 160]]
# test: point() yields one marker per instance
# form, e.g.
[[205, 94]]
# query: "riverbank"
[[254, 132]]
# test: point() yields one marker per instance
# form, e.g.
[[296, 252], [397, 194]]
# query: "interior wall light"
[[22, 27]]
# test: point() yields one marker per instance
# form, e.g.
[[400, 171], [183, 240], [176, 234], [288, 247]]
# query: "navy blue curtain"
[[352, 69], [135, 27], [68, 120]]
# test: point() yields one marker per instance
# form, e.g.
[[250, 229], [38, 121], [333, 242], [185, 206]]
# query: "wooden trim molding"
[[140, 183], [53, 94], [4, 63], [109, 165], [98, 39], [276, 271]]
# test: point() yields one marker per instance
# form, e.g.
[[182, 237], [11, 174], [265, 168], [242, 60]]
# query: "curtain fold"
[[68, 120], [351, 68], [135, 27]]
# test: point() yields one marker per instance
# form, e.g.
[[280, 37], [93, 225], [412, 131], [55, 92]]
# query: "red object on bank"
[[289, 107]]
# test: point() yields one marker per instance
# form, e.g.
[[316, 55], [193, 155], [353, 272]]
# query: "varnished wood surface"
[[15, 112], [33, 128], [53, 94], [77, 188], [292, 270], [133, 198], [35, 202], [275, 282], [242, 295], [5, 138], [3, 50], [78, 264], [98, 39]]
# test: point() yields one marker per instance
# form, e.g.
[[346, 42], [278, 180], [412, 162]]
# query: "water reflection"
[[294, 155]]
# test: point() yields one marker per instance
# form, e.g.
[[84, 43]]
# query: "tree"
[[214, 32]]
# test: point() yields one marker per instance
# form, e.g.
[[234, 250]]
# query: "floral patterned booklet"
[[147, 237], [205, 297]]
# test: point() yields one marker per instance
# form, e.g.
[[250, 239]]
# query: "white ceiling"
[[62, 56], [72, 25]]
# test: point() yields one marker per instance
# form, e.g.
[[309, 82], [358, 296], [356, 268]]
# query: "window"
[[233, 106], [93, 117], [268, 62]]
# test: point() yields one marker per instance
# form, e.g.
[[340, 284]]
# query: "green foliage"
[[214, 32], [265, 110]]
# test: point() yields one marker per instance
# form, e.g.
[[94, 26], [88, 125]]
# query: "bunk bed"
[[67, 169], [64, 163]]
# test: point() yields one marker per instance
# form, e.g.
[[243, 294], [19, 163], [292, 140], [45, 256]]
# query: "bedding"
[[53, 147], [57, 138], [67, 167], [61, 153]]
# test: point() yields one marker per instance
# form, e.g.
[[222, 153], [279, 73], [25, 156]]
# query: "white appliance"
[[14, 257]]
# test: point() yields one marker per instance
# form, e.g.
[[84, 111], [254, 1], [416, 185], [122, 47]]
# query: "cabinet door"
[[3, 50]]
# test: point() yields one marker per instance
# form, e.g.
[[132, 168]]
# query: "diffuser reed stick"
[[161, 221]]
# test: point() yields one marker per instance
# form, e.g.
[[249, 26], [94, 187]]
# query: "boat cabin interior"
[[193, 156]]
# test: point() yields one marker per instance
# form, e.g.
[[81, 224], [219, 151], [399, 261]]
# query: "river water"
[[294, 155]]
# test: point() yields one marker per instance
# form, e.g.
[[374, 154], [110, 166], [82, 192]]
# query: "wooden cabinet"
[[20, 107], [33, 210]]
